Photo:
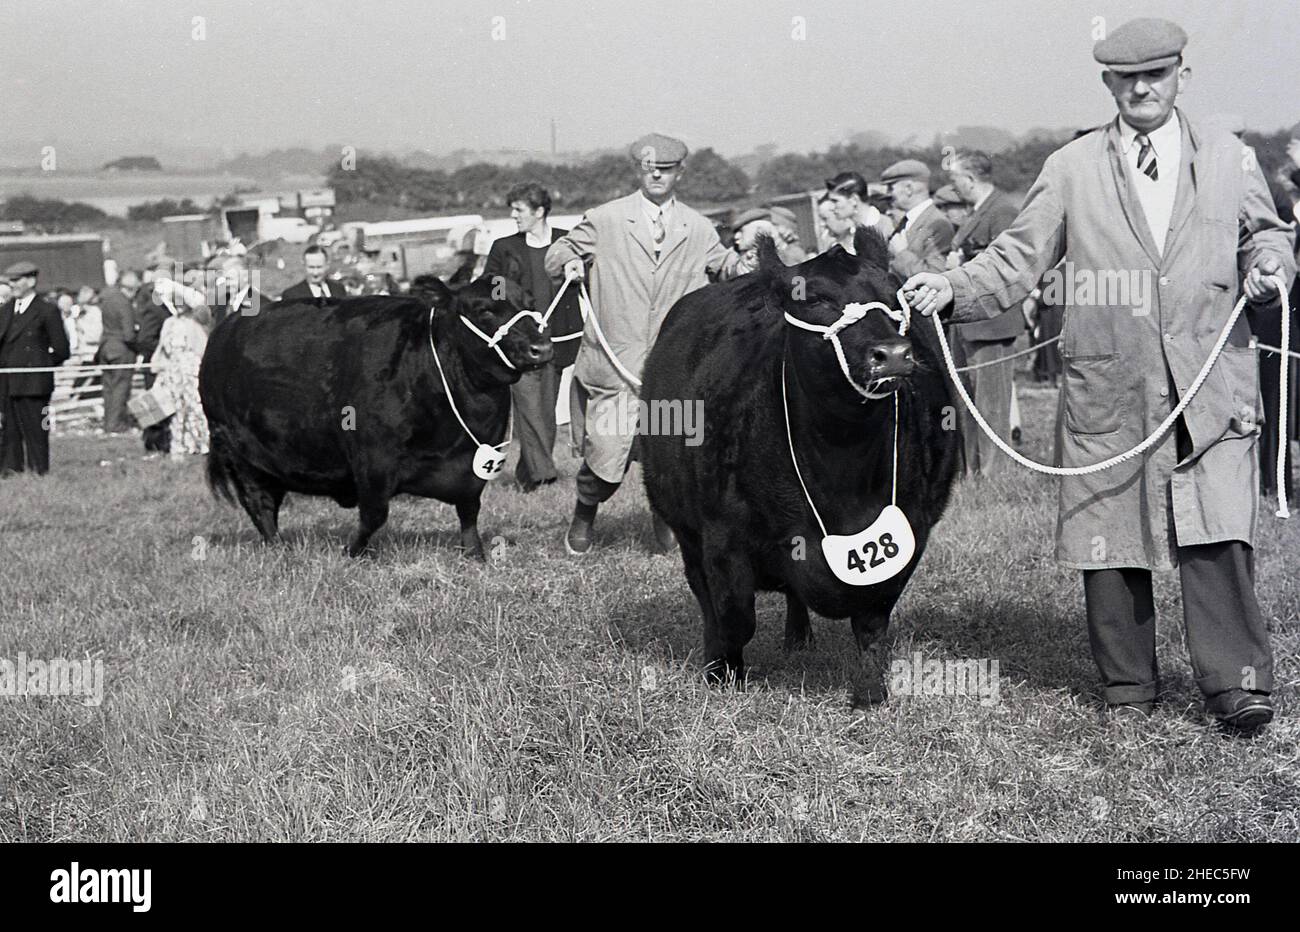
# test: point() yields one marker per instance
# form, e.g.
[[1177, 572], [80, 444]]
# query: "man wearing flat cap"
[[643, 252], [924, 235], [31, 337], [1181, 213]]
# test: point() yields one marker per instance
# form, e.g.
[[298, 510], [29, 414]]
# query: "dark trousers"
[[592, 490], [158, 438], [1267, 326], [1226, 636], [1047, 361], [117, 389], [534, 397], [990, 389], [24, 441]]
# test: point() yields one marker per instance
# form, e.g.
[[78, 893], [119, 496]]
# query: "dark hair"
[[976, 162], [315, 249], [847, 183], [532, 194]]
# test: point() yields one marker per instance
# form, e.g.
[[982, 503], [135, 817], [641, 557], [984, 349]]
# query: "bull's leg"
[[798, 630], [373, 515], [471, 545], [730, 579], [869, 683]]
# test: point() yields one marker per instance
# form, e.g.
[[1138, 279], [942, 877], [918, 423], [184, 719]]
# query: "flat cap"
[[656, 149], [785, 217], [20, 270], [947, 196], [1141, 45], [908, 168], [749, 216]]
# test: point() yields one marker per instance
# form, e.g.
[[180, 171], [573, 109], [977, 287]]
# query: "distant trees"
[[134, 163], [49, 215], [166, 207]]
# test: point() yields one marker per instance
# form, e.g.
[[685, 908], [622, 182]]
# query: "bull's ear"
[[432, 289], [871, 247], [768, 258]]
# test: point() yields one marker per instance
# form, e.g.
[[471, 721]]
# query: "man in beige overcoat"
[[643, 252], [1161, 224]]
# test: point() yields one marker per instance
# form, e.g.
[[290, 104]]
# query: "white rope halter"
[[499, 335], [451, 400], [851, 314]]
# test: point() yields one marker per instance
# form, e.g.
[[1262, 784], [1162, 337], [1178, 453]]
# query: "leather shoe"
[[1239, 709], [664, 537], [578, 538]]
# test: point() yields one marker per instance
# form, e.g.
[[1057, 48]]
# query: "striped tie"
[[657, 227], [1147, 158]]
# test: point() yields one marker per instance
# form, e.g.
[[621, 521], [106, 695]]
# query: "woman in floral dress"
[[181, 344]]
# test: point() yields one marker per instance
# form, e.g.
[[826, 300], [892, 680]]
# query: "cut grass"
[[289, 693]]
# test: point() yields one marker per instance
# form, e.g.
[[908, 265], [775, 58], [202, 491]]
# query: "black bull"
[[734, 500], [343, 399]]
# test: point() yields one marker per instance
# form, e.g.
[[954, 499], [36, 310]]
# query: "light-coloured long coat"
[[1126, 364], [631, 294]]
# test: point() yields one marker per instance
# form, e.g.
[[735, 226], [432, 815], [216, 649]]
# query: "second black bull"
[[344, 399], [735, 500]]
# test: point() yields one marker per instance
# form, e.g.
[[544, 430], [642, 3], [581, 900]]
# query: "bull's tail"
[[219, 466]]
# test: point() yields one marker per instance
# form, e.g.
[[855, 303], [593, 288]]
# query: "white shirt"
[[322, 290], [539, 235], [917, 211], [1156, 197], [22, 304], [651, 210]]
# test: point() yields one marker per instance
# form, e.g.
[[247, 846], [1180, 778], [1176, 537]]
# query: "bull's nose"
[[891, 361], [540, 352]]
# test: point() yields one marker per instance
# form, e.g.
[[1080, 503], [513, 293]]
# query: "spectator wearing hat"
[[745, 230], [117, 347], [156, 305], [984, 341], [955, 209], [32, 336], [1160, 196], [643, 252], [848, 193], [521, 258], [920, 244], [835, 230], [785, 233]]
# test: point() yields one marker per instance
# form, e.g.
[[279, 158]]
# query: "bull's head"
[[842, 348], [500, 329]]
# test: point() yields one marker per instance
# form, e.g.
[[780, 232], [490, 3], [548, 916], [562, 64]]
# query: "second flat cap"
[[20, 270], [908, 168], [1141, 45], [657, 149]]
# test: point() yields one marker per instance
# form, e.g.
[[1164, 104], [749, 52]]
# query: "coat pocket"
[[1094, 394]]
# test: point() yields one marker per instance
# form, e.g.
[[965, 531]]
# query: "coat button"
[[1164, 280], [1169, 338], [1164, 393]]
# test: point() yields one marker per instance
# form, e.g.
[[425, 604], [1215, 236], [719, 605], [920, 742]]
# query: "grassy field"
[[290, 693]]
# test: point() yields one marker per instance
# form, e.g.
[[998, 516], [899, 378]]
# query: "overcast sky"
[[399, 74]]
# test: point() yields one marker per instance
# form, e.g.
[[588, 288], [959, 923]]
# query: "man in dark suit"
[[315, 263], [521, 258], [234, 291], [31, 336], [117, 347], [920, 242], [984, 341]]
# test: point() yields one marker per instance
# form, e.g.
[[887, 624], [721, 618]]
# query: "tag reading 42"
[[490, 461], [875, 554]]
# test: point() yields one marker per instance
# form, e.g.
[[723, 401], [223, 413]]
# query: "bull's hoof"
[[867, 693], [720, 674], [474, 553]]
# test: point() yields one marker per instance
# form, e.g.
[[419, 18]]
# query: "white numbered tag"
[[489, 462], [871, 556]]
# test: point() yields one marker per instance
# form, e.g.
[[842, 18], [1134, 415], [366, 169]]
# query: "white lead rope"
[[589, 314], [1282, 511], [789, 437], [451, 400]]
